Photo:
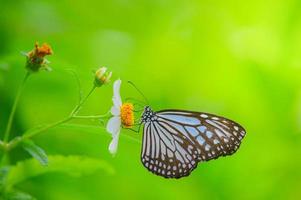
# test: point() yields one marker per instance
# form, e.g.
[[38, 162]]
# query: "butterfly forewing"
[[175, 141], [212, 134]]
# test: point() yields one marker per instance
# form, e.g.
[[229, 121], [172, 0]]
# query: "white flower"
[[123, 115], [114, 124]]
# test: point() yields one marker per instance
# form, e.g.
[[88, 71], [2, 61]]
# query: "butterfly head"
[[148, 115]]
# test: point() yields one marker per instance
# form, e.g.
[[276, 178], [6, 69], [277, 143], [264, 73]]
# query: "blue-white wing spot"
[[209, 134], [202, 128], [181, 119], [192, 131], [201, 140]]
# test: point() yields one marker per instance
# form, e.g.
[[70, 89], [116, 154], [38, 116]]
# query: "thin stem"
[[18, 140], [77, 108], [36, 132], [12, 113], [91, 116]]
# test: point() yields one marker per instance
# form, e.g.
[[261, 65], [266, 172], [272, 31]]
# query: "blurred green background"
[[239, 59]]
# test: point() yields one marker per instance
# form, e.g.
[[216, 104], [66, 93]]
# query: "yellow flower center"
[[127, 115]]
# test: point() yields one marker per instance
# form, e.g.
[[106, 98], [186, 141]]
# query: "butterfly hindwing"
[[174, 141]]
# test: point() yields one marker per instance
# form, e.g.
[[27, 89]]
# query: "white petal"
[[115, 111], [114, 144], [113, 126], [116, 93], [101, 71]]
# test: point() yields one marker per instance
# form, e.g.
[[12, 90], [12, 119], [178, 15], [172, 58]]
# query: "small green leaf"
[[71, 165], [35, 151], [23, 53], [3, 173], [18, 195], [3, 176]]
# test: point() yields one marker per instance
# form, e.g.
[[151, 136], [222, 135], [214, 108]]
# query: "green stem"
[[36, 132], [18, 140], [12, 113], [77, 108], [91, 116]]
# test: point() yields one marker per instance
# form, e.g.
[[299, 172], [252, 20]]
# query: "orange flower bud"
[[36, 58]]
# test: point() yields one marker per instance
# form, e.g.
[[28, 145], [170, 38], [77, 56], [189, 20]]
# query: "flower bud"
[[36, 58], [102, 76]]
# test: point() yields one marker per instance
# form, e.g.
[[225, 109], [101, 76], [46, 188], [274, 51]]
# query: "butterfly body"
[[175, 141]]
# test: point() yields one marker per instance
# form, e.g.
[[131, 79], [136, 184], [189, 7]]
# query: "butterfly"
[[175, 141]]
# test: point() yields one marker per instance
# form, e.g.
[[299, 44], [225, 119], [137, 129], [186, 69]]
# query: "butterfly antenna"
[[144, 97]]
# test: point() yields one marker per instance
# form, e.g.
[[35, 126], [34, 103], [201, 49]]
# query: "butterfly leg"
[[136, 131], [139, 110]]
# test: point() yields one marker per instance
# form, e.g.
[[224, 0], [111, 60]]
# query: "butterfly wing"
[[214, 135], [176, 140], [166, 152]]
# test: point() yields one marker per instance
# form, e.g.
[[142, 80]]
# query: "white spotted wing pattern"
[[175, 141]]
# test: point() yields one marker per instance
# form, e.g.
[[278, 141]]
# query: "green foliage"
[[35, 151], [3, 176], [75, 166], [71, 165], [18, 195]]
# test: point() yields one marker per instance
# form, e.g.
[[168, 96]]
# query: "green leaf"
[[3, 176], [71, 165], [35, 151], [18, 195]]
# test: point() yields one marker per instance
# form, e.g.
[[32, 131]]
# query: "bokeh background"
[[239, 59]]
